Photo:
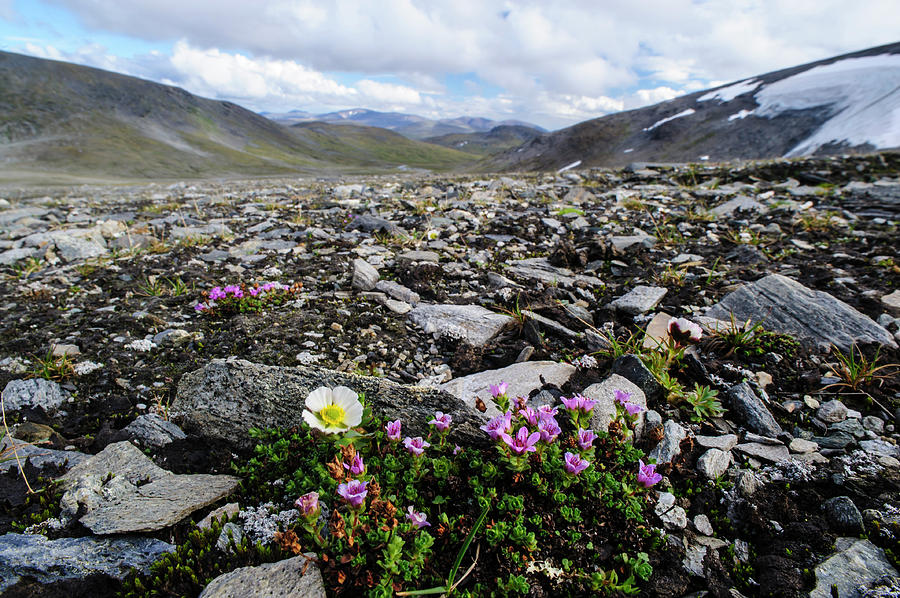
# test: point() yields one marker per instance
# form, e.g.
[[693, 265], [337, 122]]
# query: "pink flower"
[[441, 421], [530, 415], [200, 307], [579, 403], [683, 330], [647, 474], [547, 412], [633, 408], [549, 429], [499, 389], [415, 446], [356, 465], [574, 464], [418, 519], [498, 426], [393, 430], [457, 450], [354, 492], [622, 396], [586, 439], [254, 291], [308, 505], [216, 293], [523, 442]]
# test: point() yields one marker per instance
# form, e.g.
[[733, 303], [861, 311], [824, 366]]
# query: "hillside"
[[486, 143], [60, 121], [846, 103]]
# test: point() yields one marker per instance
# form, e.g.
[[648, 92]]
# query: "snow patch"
[[740, 115], [574, 164], [863, 95], [628, 151], [658, 123], [728, 93]]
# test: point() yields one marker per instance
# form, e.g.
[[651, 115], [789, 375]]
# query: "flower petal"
[[310, 418], [319, 399], [353, 414], [343, 396]]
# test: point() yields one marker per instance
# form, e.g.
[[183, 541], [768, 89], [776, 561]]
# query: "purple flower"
[[457, 450], [548, 429], [586, 439], [416, 445], [441, 421], [499, 389], [530, 415], [354, 492], [633, 408], [622, 396], [216, 293], [393, 430], [308, 504], [232, 288], [523, 442], [574, 463], [683, 330], [254, 291], [547, 412], [647, 474], [418, 519], [498, 426], [200, 307], [356, 465], [579, 403]]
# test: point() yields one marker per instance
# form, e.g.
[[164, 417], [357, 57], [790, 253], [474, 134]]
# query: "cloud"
[[539, 53]]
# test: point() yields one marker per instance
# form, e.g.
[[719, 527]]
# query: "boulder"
[[298, 577], [47, 561], [813, 317], [471, 323], [222, 400], [857, 563], [120, 490], [34, 393]]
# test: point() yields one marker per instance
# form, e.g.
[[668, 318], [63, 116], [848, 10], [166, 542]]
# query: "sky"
[[547, 62]]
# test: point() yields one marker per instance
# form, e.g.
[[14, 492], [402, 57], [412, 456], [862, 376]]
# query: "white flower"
[[333, 410]]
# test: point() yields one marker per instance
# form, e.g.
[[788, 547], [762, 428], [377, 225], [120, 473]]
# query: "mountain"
[[846, 103], [496, 140], [408, 125], [65, 122]]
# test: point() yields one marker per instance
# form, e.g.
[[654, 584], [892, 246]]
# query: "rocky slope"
[[849, 102], [422, 291]]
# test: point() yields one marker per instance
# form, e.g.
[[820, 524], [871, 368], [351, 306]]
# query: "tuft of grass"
[[857, 372], [52, 367], [750, 340]]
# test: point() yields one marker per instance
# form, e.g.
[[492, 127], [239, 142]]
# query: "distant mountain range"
[[846, 103], [61, 122], [408, 125]]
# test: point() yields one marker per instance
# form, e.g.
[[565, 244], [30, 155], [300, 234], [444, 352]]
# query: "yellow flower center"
[[333, 415]]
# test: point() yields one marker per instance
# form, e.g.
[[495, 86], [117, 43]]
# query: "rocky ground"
[[451, 284]]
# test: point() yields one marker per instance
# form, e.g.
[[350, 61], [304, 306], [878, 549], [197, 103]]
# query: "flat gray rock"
[[38, 456], [73, 247], [857, 563], [814, 318], [639, 300], [749, 410], [225, 398], [725, 442], [521, 377], [140, 496], [11, 256], [298, 577], [605, 409], [48, 561], [34, 393], [471, 323], [398, 291], [152, 430], [766, 452], [539, 269], [741, 203]]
